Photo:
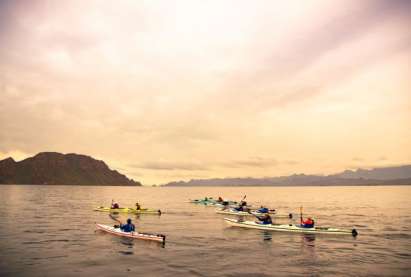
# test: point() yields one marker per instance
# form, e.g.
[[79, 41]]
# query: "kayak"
[[133, 235], [128, 210], [203, 202], [212, 202], [289, 228], [252, 213]]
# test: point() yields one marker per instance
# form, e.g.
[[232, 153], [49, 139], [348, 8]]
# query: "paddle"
[[115, 219], [261, 218], [243, 198], [301, 214]]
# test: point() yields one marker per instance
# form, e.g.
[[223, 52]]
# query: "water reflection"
[[129, 243], [267, 235], [308, 239], [199, 238]]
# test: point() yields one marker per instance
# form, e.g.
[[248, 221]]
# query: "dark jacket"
[[265, 219], [129, 227]]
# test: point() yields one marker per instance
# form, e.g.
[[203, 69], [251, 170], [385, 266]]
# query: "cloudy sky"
[[175, 90]]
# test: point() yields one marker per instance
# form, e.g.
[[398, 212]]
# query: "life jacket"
[[308, 223]]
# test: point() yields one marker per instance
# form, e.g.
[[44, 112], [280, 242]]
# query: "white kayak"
[[251, 213], [134, 235], [289, 228]]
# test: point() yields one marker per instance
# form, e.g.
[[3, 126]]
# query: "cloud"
[[357, 159], [251, 162], [166, 165], [162, 87]]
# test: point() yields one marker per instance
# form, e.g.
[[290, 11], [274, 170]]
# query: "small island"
[[52, 168]]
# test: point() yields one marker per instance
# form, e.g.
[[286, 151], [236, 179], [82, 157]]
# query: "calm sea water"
[[50, 231]]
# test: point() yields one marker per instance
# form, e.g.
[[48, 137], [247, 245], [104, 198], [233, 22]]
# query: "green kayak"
[[212, 202], [128, 210]]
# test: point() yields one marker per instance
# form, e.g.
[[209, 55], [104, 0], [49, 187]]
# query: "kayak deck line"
[[289, 228], [128, 210], [134, 235]]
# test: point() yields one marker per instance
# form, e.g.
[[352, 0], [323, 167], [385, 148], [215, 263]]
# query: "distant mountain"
[[384, 173], [400, 175], [51, 168]]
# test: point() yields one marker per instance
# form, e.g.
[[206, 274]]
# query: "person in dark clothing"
[[265, 219], [263, 210], [129, 227], [242, 207], [225, 204]]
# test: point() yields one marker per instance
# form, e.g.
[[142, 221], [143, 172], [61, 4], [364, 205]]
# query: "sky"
[[180, 90]]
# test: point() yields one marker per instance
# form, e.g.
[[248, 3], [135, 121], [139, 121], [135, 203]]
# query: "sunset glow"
[[175, 90]]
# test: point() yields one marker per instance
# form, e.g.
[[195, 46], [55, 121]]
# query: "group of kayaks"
[[231, 208], [225, 207], [116, 229], [209, 201]]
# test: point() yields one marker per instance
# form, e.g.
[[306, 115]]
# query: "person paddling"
[[114, 205], [263, 210], [307, 223], [242, 207], [138, 207], [265, 219], [129, 227]]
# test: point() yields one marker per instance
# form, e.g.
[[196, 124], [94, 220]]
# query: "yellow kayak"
[[127, 210]]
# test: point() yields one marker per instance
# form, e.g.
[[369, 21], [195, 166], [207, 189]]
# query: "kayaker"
[[263, 210], [225, 204], [220, 200], [129, 227], [242, 207], [265, 219], [138, 207], [115, 205], [308, 223]]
